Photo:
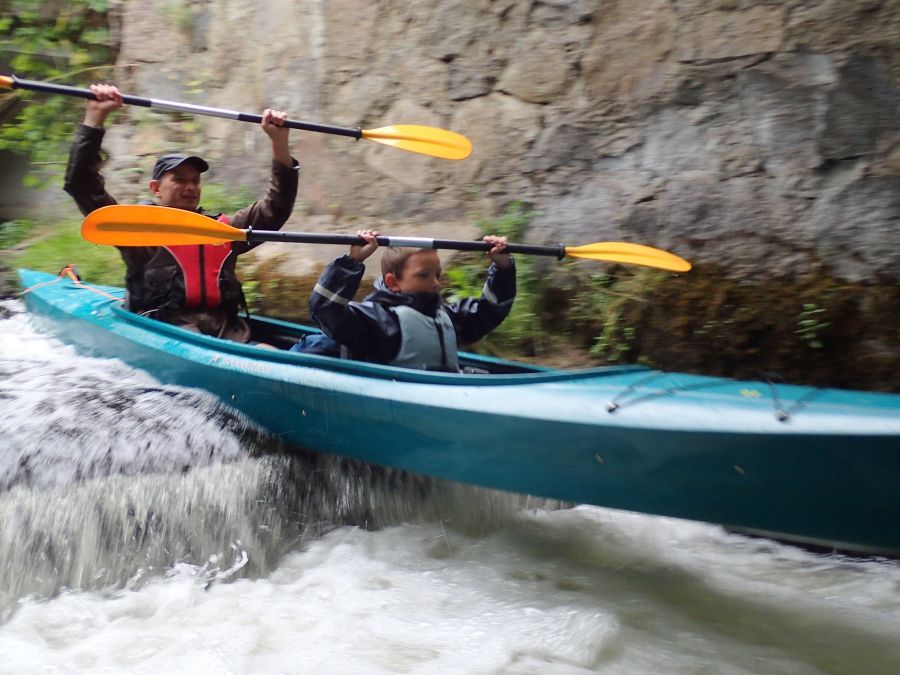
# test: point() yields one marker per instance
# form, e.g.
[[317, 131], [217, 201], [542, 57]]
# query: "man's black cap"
[[170, 162]]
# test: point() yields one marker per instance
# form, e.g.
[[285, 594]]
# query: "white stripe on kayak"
[[191, 108], [329, 295]]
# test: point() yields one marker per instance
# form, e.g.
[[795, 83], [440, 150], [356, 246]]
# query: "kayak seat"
[[310, 340], [320, 344]]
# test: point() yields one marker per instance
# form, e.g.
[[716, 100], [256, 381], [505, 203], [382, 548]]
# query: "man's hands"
[[109, 98], [273, 124]]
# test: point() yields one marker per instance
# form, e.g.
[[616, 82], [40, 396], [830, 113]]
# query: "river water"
[[146, 529]]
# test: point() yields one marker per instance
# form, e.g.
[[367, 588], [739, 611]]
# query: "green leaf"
[[64, 46]]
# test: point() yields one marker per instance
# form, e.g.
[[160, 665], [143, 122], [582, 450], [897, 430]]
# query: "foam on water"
[[108, 479], [586, 590], [62, 416], [146, 529]]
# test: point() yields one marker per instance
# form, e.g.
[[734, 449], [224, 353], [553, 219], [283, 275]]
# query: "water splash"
[[109, 479], [68, 418]]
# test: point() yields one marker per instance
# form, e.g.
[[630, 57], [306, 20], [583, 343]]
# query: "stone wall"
[[763, 137]]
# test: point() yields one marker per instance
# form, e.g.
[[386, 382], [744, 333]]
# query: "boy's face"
[[179, 188], [421, 274]]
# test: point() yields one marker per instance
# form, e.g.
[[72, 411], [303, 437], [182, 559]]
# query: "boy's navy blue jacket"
[[371, 331]]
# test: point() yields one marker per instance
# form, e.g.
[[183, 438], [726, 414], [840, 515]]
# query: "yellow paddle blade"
[[6, 82], [424, 140], [145, 225], [634, 254]]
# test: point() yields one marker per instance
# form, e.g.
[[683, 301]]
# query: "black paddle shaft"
[[253, 236], [49, 88]]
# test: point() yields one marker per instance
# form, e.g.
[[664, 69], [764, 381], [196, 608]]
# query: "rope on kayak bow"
[[617, 403], [782, 414], [69, 272], [614, 405]]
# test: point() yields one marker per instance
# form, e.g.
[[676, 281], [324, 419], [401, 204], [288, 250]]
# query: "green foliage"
[[67, 42], [466, 280], [511, 224], [63, 245], [521, 329], [13, 232], [252, 295], [601, 302], [218, 198], [810, 325], [181, 15], [596, 303]]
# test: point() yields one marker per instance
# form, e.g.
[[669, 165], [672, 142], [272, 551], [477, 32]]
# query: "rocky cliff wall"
[[763, 137]]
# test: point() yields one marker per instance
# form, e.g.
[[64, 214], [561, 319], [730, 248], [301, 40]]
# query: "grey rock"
[[857, 227], [763, 137]]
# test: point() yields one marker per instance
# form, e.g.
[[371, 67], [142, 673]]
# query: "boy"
[[405, 322]]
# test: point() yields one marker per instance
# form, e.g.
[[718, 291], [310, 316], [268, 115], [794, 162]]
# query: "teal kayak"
[[811, 465]]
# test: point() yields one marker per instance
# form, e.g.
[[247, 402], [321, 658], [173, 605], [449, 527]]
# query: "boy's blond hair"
[[393, 259]]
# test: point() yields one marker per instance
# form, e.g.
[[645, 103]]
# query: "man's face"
[[178, 188]]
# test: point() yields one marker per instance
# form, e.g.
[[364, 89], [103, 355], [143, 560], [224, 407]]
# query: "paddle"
[[146, 225], [412, 137]]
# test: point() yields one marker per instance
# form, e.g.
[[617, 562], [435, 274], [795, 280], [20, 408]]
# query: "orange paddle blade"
[[145, 225], [424, 140], [634, 254]]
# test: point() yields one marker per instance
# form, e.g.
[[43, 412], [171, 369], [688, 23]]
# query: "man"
[[194, 287]]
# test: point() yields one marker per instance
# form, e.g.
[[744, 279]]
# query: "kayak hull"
[[820, 466]]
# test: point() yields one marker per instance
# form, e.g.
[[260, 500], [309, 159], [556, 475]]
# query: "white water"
[[144, 529]]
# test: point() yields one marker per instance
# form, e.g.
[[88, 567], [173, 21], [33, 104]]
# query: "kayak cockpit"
[[283, 335]]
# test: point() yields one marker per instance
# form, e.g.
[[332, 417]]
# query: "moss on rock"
[[815, 330]]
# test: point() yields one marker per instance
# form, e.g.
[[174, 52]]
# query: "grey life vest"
[[427, 343]]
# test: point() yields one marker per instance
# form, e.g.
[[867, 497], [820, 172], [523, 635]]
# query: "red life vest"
[[201, 266]]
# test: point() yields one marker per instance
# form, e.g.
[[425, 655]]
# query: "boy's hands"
[[360, 253], [501, 259]]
